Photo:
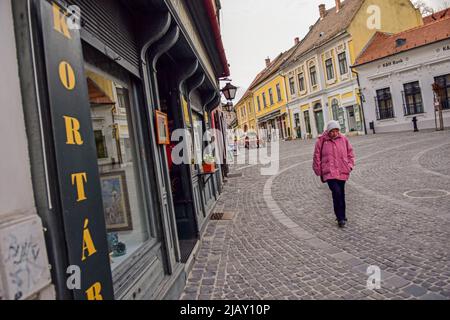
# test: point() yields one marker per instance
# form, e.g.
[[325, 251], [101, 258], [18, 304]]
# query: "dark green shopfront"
[[112, 202]]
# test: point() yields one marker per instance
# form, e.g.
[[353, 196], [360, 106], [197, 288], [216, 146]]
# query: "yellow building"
[[245, 113], [320, 84], [270, 100]]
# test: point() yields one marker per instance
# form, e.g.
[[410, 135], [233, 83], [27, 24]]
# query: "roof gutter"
[[217, 35]]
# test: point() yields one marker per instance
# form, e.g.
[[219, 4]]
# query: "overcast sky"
[[255, 29]]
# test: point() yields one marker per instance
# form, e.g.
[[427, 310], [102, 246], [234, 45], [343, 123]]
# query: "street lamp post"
[[229, 91]]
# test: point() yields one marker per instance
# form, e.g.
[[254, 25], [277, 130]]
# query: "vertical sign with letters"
[[75, 151]]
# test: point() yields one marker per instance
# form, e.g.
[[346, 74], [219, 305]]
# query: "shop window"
[[385, 107], [122, 100], [198, 137], [444, 85], [412, 98], [100, 142], [126, 220]]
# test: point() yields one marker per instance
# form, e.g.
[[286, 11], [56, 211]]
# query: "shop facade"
[[109, 83], [410, 83]]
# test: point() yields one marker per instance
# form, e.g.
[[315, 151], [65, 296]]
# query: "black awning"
[[270, 116], [96, 95]]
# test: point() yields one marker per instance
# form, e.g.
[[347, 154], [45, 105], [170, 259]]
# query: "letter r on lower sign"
[[94, 292], [73, 131]]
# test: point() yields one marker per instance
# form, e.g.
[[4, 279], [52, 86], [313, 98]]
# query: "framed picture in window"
[[115, 201], [162, 128]]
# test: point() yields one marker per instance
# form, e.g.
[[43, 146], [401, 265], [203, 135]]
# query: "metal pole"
[[441, 118], [362, 104]]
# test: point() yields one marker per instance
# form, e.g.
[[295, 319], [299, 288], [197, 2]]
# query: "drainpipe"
[[362, 103]]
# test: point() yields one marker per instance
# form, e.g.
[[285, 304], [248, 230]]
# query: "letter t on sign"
[[80, 179]]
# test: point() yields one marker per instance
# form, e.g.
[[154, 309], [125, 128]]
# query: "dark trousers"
[[337, 187]]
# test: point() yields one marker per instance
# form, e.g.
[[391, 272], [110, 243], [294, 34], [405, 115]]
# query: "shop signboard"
[[75, 154]]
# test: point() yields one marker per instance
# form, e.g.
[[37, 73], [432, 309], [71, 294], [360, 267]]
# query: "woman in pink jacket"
[[333, 161]]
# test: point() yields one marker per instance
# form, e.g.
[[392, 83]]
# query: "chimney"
[[267, 61], [322, 11], [338, 5], [297, 40]]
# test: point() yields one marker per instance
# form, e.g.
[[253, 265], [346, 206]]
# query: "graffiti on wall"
[[23, 259]]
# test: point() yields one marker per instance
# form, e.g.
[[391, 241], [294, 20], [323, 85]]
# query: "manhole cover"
[[426, 194], [222, 216]]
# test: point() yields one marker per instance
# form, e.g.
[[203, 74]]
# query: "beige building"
[[320, 84]]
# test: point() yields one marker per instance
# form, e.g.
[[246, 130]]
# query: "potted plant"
[[209, 165]]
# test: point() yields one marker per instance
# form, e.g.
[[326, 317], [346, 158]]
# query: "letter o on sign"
[[67, 75]]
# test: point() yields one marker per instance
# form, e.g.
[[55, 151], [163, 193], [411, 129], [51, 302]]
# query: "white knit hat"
[[333, 124]]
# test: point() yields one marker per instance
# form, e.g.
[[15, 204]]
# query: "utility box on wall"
[[24, 270]]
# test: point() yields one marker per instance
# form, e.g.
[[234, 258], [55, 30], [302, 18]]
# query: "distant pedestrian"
[[333, 161]]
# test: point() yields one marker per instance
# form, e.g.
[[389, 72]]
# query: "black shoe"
[[342, 223]]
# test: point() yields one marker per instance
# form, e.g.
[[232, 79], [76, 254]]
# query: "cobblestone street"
[[283, 242]]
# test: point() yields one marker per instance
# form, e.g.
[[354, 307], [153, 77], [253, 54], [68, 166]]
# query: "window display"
[[126, 222]]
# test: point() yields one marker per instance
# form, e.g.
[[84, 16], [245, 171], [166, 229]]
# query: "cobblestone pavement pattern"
[[284, 243]]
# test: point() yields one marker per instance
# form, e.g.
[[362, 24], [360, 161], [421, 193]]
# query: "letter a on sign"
[[88, 244], [374, 20]]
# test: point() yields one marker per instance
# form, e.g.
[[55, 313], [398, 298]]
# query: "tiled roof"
[[437, 16], [273, 67], [248, 92], [329, 27], [384, 45]]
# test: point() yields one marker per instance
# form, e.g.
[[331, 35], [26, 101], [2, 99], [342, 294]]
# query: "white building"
[[320, 84], [397, 73]]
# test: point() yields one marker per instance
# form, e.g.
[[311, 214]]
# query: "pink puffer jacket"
[[333, 159]]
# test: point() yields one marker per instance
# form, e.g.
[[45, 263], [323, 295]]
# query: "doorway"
[[352, 124], [318, 114], [307, 123], [175, 106]]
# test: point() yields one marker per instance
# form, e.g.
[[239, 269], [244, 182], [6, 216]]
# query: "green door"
[[319, 121]]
